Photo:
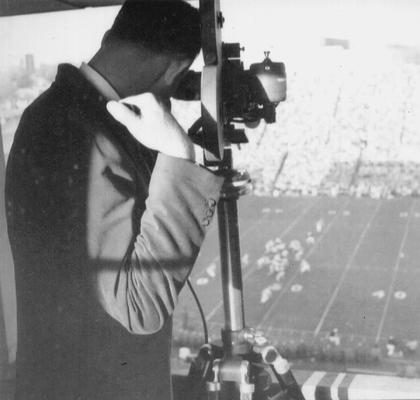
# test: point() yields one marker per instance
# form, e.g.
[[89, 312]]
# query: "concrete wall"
[[8, 339]]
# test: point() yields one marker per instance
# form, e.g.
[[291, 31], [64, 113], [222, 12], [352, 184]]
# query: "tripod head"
[[229, 94]]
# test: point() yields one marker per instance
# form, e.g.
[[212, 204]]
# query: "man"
[[105, 225]]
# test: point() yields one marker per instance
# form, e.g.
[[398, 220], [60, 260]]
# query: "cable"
[[200, 309]]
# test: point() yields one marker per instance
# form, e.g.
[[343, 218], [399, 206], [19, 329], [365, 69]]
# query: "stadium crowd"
[[344, 129]]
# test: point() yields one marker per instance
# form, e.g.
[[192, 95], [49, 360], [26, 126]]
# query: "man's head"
[[149, 46]]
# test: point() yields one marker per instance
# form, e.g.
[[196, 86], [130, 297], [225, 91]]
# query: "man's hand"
[[154, 126]]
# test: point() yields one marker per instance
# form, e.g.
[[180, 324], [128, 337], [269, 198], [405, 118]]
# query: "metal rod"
[[236, 184], [230, 256]]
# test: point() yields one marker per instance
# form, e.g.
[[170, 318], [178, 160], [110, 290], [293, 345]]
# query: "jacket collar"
[[99, 82], [71, 80]]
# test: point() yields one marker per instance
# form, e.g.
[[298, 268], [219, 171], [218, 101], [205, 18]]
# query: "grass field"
[[363, 279]]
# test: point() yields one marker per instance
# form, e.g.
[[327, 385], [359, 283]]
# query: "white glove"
[[154, 126]]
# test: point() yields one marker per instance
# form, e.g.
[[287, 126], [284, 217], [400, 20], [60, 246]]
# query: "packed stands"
[[346, 128]]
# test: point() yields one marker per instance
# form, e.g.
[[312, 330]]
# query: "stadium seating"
[[346, 129]]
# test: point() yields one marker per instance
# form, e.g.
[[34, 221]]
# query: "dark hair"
[[171, 27]]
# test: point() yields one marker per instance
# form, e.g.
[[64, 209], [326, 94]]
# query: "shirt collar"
[[99, 82]]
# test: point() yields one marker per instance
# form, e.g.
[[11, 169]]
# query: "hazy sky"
[[287, 27], [54, 37]]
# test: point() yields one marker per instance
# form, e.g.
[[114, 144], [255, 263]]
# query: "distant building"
[[344, 43], [29, 63]]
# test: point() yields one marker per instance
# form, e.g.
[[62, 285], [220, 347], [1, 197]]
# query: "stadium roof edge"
[[22, 7]]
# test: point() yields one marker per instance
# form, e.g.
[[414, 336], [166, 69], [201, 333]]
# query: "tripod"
[[246, 364]]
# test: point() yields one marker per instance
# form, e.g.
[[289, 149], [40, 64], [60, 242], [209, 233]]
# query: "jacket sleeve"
[[144, 249]]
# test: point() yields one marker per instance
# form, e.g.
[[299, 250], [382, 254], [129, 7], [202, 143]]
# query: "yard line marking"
[[250, 228], [394, 275], [290, 282], [250, 271], [335, 385], [400, 295], [345, 272]]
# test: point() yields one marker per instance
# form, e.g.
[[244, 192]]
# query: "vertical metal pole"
[[235, 185], [230, 256]]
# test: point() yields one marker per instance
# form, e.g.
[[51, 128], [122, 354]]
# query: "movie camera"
[[247, 95], [230, 94], [246, 367]]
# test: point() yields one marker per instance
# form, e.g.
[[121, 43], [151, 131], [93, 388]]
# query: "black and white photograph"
[[209, 199]]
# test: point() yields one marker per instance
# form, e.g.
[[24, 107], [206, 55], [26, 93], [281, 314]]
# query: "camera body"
[[244, 96], [229, 94], [251, 95]]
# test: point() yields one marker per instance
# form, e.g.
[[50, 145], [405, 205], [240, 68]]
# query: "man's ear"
[[175, 70], [105, 38]]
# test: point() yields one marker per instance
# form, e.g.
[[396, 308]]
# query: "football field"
[[357, 270]]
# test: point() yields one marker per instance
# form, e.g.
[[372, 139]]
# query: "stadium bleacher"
[[346, 129]]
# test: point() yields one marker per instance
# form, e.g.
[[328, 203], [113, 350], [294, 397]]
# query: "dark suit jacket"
[[104, 233]]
